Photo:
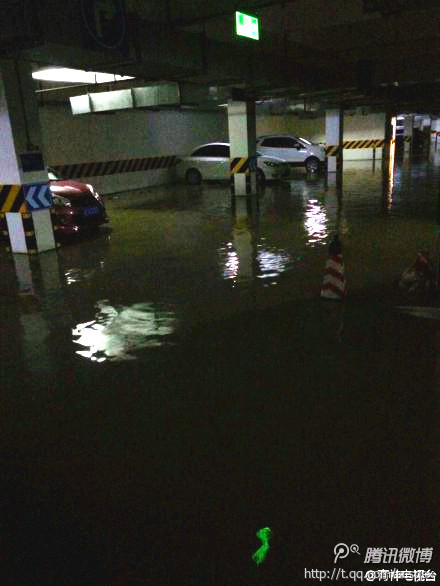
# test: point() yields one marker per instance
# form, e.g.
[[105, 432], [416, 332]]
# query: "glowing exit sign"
[[246, 26]]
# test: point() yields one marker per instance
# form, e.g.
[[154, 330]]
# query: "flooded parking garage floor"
[[175, 384]]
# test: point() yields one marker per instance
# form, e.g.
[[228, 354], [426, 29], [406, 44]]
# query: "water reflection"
[[272, 262], [258, 251], [118, 332], [84, 261], [389, 178], [315, 222], [73, 276], [265, 262], [236, 257], [231, 262]]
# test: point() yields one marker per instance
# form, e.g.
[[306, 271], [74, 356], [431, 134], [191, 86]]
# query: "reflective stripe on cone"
[[333, 285]]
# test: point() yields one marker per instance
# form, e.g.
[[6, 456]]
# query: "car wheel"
[[261, 177], [193, 177], [312, 165]]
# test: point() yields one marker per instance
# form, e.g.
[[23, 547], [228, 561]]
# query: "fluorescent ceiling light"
[[76, 76]]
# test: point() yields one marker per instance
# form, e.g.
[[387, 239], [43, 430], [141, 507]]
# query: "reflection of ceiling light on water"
[[392, 152], [272, 262], [315, 222], [230, 261], [117, 332], [78, 275]]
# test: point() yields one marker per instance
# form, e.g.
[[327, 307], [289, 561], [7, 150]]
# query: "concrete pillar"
[[242, 139], [41, 301], [389, 136], [334, 134], [24, 188], [427, 128], [408, 135], [435, 136]]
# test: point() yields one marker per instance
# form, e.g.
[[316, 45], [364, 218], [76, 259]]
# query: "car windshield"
[[305, 140]]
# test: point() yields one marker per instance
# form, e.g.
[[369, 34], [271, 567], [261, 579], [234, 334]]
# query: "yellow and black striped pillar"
[[243, 175], [26, 230], [29, 234], [242, 140]]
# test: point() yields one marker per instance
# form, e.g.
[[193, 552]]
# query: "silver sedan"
[[211, 161]]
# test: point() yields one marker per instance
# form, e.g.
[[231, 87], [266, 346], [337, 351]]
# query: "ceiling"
[[312, 54]]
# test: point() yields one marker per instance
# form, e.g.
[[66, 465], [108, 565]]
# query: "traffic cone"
[[333, 285]]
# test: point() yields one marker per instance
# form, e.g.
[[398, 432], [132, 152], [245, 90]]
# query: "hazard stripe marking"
[[333, 150], [12, 198], [239, 165], [100, 168]]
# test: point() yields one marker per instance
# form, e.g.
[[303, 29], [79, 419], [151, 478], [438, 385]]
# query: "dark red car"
[[77, 206]]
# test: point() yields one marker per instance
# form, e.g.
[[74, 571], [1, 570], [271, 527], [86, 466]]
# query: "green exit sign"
[[246, 26]]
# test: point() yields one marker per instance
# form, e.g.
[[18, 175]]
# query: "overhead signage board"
[[246, 26]]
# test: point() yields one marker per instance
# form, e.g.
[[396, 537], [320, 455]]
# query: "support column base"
[[243, 184], [30, 233]]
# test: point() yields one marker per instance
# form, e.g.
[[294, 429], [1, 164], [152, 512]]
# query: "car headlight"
[[95, 193], [58, 200], [270, 164]]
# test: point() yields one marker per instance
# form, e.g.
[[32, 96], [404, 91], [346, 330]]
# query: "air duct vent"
[[153, 96]]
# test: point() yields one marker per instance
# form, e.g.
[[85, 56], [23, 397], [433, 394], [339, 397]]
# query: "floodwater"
[[174, 384]]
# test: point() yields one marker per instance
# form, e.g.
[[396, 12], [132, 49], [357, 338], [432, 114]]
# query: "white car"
[[299, 152], [212, 160]]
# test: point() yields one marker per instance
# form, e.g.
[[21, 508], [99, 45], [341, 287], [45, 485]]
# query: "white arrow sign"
[[38, 196]]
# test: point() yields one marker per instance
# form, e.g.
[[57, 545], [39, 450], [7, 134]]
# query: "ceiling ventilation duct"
[[115, 100], [283, 106], [200, 97], [156, 96], [153, 96]]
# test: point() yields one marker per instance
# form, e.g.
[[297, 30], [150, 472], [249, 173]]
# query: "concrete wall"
[[133, 134], [363, 127], [313, 128], [90, 138]]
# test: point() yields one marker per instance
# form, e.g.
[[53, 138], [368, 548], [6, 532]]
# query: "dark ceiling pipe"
[[247, 7]]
